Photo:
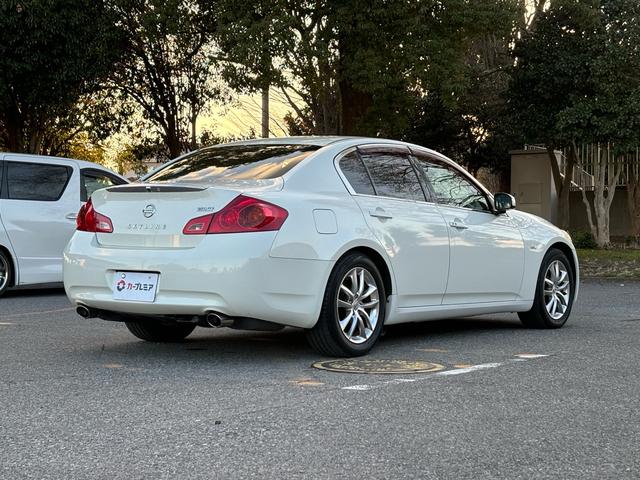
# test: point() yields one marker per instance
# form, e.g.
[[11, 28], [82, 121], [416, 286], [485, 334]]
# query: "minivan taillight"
[[243, 214], [88, 220]]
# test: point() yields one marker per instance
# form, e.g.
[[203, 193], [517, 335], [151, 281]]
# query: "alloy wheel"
[[557, 289], [4, 273], [358, 305]]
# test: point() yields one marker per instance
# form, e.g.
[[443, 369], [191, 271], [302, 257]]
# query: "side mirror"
[[504, 202]]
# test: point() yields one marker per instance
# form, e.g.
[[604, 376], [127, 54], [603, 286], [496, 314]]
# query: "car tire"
[[555, 291], [353, 309], [6, 271], [160, 332]]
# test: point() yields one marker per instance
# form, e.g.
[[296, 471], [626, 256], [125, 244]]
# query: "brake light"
[[88, 220], [243, 214]]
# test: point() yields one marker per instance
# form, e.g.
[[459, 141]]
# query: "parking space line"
[[445, 373]]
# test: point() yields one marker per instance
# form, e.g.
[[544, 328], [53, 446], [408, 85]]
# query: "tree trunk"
[[355, 105], [563, 185], [604, 192], [265, 111]]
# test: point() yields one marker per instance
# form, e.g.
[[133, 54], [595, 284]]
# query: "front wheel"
[[555, 291], [353, 309], [159, 332]]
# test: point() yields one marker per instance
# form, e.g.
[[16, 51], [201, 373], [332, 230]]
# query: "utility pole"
[[265, 111]]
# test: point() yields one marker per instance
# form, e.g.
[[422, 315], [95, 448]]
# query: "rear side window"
[[243, 162], [356, 174], [36, 181], [393, 175]]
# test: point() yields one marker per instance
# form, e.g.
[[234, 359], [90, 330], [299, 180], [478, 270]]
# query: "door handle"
[[71, 216], [380, 213], [459, 224]]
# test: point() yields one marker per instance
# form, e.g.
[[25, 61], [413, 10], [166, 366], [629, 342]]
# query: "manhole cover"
[[378, 366]]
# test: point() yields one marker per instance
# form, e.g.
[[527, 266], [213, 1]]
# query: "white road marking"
[[6, 323], [446, 373]]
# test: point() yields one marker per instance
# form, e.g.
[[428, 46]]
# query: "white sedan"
[[335, 235], [39, 199]]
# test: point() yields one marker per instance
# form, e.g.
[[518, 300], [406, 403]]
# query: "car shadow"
[[34, 291], [226, 346]]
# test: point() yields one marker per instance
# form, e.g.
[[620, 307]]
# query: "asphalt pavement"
[[84, 399]]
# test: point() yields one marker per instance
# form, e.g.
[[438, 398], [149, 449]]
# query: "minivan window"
[[93, 180], [242, 162], [393, 175], [36, 181], [356, 174]]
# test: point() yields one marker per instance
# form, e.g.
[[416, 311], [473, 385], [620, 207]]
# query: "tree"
[[356, 66], [169, 69], [52, 55], [574, 83]]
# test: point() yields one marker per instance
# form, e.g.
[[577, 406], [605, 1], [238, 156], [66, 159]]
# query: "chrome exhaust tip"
[[218, 320], [84, 311]]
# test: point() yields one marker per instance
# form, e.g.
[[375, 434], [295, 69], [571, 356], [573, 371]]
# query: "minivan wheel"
[[6, 271], [353, 309], [159, 332], [555, 292]]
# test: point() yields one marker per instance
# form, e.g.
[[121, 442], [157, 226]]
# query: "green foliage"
[[583, 240], [169, 69], [52, 54], [576, 77]]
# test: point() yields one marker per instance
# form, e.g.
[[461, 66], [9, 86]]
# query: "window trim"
[[437, 158], [5, 191], [97, 172], [405, 150], [2, 177]]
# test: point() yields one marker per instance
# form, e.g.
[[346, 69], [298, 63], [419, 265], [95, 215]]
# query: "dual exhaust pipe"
[[218, 320], [211, 319]]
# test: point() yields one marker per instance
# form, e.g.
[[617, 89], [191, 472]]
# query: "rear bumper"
[[232, 274]]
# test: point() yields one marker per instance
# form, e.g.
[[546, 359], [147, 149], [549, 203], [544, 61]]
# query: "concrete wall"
[[620, 222], [532, 183]]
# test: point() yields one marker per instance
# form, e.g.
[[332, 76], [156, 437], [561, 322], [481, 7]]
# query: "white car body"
[[35, 231], [433, 269]]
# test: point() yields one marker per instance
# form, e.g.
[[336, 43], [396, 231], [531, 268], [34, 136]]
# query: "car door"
[[487, 250], [385, 185], [39, 204]]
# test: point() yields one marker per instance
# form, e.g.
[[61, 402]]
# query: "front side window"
[[36, 181], [392, 174], [241, 162], [452, 187]]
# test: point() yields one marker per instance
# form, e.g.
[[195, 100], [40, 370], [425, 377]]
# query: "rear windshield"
[[247, 162]]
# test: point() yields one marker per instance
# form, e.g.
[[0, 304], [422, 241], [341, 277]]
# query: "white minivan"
[[39, 199]]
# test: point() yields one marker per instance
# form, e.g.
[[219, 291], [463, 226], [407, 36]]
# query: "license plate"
[[135, 286]]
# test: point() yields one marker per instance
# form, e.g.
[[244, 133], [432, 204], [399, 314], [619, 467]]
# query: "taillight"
[[88, 220], [243, 214]]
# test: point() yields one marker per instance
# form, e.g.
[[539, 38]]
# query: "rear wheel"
[[353, 309], [554, 293], [6, 271], [159, 332]]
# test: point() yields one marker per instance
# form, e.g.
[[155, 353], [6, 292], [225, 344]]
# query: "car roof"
[[318, 141], [322, 141], [25, 157]]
